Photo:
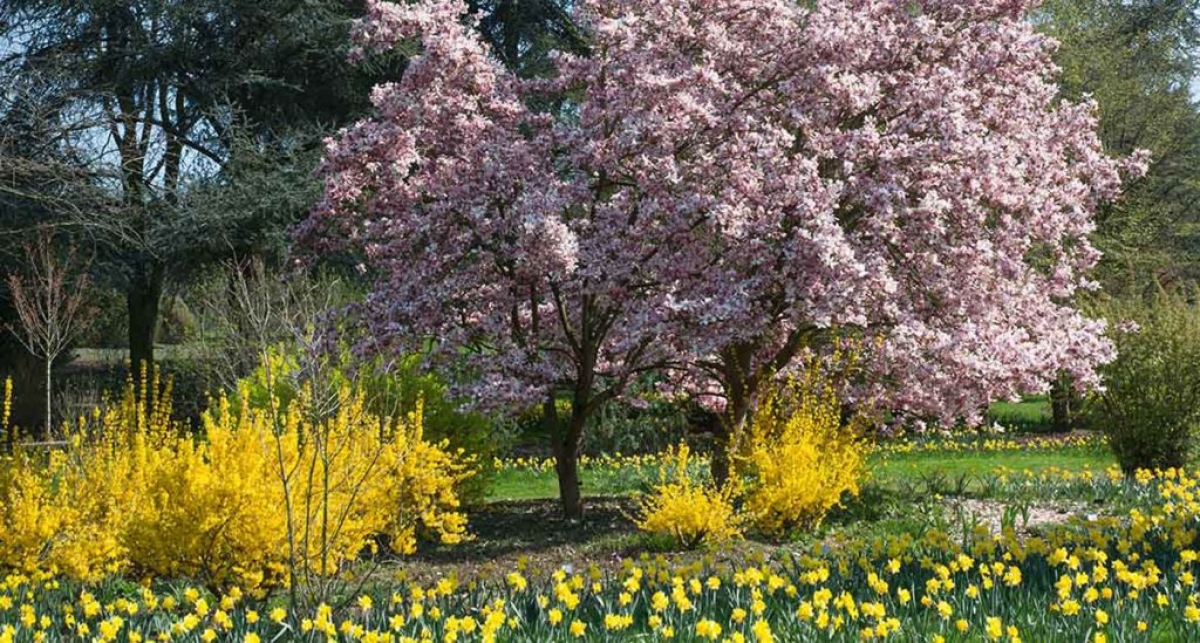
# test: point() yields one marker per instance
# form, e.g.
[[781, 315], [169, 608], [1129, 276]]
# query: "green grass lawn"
[[912, 466], [524, 484], [1030, 414], [886, 470]]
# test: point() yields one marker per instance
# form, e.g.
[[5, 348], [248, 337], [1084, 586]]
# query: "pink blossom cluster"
[[719, 179]]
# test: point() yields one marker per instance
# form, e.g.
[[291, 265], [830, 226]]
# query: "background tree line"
[[166, 137]]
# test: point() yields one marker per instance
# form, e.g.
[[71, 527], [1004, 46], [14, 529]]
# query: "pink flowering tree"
[[899, 171], [716, 186]]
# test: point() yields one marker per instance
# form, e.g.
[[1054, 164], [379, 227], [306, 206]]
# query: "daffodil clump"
[[265, 495], [1126, 577], [610, 461], [988, 443], [636, 463]]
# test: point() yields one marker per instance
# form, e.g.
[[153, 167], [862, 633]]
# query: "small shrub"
[[261, 491], [690, 512], [391, 392], [799, 459], [65, 510], [1150, 406]]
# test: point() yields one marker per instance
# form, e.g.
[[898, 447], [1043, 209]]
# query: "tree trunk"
[[142, 299], [49, 398], [728, 435], [721, 461], [566, 464], [740, 384], [567, 443], [1062, 398]]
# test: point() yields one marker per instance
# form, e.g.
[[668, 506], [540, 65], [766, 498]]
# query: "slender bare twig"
[[49, 300]]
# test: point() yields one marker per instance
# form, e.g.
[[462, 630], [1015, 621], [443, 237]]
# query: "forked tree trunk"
[[742, 381], [740, 384], [728, 433]]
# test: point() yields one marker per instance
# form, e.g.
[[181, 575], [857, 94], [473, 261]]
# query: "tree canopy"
[[717, 182]]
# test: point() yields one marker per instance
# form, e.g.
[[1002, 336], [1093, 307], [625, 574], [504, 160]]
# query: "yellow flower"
[[190, 621], [994, 627], [578, 628], [762, 632], [708, 629]]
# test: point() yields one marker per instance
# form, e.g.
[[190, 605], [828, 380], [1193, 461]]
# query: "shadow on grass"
[[874, 503], [536, 529], [535, 533]]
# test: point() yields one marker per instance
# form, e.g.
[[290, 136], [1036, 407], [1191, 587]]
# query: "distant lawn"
[[111, 357], [1030, 414], [892, 469], [914, 468], [527, 484]]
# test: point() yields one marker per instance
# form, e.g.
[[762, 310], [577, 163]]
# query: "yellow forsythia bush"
[[267, 494], [799, 460], [686, 510], [65, 510]]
